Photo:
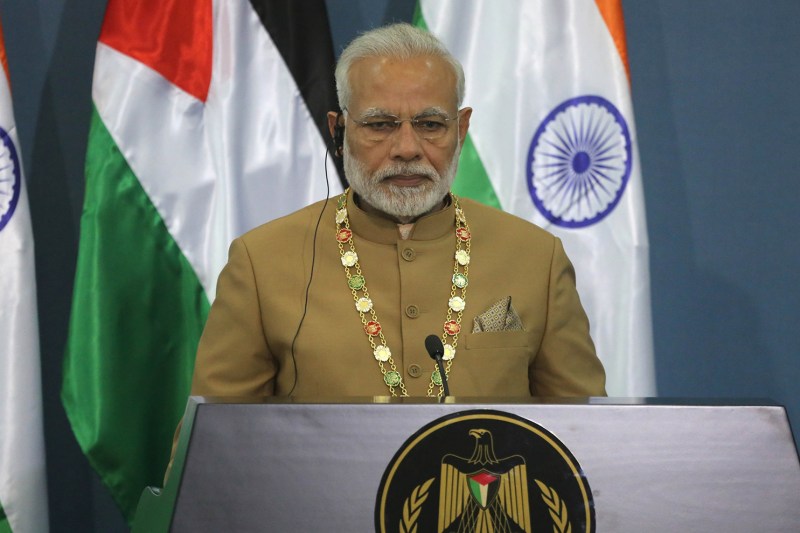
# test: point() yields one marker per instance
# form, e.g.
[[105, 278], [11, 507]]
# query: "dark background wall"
[[715, 85]]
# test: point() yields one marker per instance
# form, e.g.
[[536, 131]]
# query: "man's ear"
[[463, 123], [336, 127], [333, 119]]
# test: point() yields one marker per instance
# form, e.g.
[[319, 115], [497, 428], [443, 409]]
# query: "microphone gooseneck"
[[435, 349]]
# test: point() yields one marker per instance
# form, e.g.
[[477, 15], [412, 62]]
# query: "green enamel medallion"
[[436, 378], [356, 282], [341, 202], [392, 378], [460, 280]]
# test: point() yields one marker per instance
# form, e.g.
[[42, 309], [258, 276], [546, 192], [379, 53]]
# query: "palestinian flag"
[[208, 120], [553, 140]]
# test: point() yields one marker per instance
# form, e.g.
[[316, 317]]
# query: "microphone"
[[436, 351]]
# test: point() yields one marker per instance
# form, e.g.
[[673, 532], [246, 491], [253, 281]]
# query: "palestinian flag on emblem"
[[484, 487], [208, 120], [552, 140]]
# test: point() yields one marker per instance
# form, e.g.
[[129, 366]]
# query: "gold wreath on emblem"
[[557, 507], [413, 505]]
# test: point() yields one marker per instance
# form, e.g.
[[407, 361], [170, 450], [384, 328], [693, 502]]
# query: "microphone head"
[[434, 346]]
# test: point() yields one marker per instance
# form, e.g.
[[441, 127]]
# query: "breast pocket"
[[497, 339], [492, 364]]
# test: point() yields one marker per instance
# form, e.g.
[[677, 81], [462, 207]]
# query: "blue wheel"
[[579, 162], [10, 178]]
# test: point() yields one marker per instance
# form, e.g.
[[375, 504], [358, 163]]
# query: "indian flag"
[[208, 120], [23, 489], [553, 140]]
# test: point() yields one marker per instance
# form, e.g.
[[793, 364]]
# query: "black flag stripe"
[[301, 32]]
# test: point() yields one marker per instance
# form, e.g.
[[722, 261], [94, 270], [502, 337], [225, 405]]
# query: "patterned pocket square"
[[501, 316]]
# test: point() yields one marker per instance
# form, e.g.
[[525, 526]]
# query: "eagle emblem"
[[448, 478], [483, 493]]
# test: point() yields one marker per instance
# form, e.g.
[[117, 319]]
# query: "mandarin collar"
[[383, 231]]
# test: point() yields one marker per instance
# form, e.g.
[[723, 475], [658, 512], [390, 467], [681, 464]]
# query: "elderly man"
[[338, 298]]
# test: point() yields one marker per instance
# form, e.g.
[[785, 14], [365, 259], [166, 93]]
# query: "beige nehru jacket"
[[246, 347]]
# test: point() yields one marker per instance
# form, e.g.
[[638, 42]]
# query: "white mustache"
[[406, 169]]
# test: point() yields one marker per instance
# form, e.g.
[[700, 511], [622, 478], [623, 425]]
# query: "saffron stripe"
[[611, 11], [4, 62]]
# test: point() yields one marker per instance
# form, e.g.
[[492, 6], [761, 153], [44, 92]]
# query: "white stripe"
[[521, 60], [23, 489], [250, 154]]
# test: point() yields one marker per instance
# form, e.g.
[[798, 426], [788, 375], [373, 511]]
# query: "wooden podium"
[[292, 465]]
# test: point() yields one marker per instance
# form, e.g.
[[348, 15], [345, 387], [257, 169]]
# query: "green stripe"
[[418, 19], [471, 181], [137, 313], [5, 527]]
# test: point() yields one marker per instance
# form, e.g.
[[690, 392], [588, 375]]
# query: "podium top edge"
[[482, 401]]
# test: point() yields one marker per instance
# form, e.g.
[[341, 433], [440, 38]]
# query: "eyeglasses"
[[429, 125]]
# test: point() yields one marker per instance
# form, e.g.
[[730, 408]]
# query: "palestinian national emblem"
[[508, 475], [485, 478]]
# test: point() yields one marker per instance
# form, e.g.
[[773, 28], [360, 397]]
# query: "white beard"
[[400, 201]]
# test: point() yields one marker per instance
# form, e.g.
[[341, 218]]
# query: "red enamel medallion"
[[452, 327], [372, 328], [463, 234], [343, 235]]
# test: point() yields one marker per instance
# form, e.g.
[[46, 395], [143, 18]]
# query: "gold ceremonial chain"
[[366, 310]]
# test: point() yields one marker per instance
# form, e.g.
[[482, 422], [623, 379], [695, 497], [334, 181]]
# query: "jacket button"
[[412, 311], [414, 371], [408, 254]]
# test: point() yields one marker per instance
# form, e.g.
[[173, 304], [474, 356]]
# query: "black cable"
[[311, 276]]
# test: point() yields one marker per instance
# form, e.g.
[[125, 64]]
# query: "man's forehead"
[[416, 83]]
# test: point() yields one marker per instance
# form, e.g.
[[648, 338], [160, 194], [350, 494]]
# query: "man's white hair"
[[400, 41]]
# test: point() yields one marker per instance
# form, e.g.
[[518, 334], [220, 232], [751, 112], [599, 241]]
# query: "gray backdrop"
[[715, 88]]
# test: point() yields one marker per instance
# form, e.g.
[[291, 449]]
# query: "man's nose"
[[406, 143]]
